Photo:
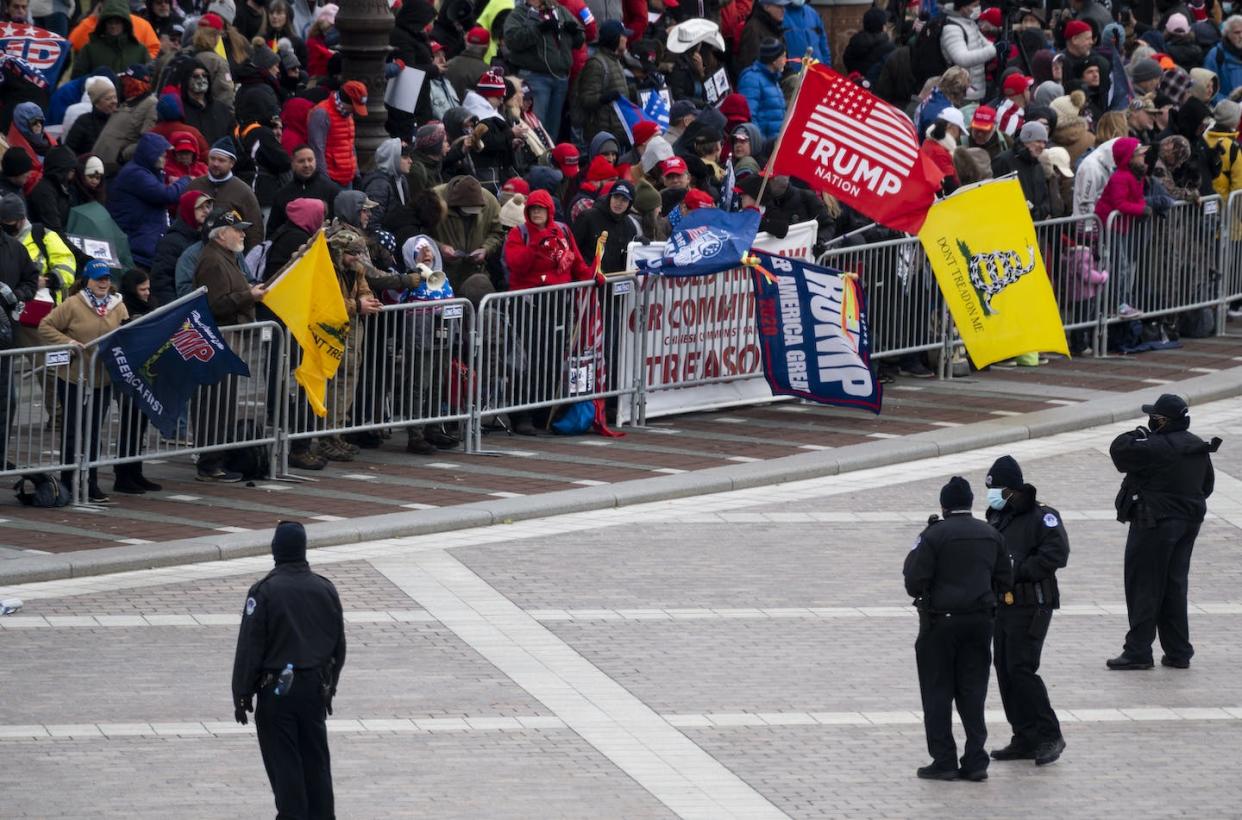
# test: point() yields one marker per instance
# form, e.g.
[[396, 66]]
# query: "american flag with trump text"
[[845, 141]]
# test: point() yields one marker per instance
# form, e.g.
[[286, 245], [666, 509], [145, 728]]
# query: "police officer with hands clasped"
[[954, 572], [290, 651], [1168, 477], [1036, 541]]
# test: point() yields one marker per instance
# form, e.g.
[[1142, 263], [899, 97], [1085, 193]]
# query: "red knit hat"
[[600, 170], [1075, 27], [491, 84], [643, 131], [991, 16], [1017, 83]]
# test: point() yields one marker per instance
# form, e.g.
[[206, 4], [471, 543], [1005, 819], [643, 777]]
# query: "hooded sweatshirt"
[[622, 230], [1091, 176], [138, 199], [305, 216], [538, 256], [386, 185], [117, 53]]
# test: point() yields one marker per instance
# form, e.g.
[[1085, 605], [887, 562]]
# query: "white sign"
[[702, 329], [403, 89], [96, 249], [716, 88]]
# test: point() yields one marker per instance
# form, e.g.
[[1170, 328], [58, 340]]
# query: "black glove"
[[1002, 49], [548, 24], [240, 709], [569, 26], [609, 96]]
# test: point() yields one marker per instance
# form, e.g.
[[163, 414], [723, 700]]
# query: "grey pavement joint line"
[[200, 619], [635, 738], [518, 723]]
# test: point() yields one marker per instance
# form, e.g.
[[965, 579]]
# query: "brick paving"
[[528, 466], [593, 641]]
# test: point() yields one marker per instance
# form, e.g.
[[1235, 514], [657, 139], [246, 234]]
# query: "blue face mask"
[[996, 498]]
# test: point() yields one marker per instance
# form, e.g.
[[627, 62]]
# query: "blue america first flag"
[[160, 361], [43, 51]]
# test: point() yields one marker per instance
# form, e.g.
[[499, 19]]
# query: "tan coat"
[[74, 320]]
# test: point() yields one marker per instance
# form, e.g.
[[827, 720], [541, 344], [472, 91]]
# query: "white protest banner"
[[701, 332]]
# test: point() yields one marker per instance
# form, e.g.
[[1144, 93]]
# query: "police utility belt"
[[1032, 593]]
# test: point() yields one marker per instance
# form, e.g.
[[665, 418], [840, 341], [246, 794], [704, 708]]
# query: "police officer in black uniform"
[[953, 573], [1164, 499], [292, 617], [1038, 547]]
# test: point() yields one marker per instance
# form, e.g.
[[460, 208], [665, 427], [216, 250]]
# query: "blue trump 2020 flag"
[[705, 241], [160, 360], [813, 334]]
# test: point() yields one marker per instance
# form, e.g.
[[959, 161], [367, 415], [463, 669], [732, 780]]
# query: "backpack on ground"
[[42, 490], [927, 58], [252, 461]]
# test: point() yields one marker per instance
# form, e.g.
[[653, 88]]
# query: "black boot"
[[142, 481], [125, 480]]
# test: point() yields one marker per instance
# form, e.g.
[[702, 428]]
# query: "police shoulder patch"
[[1050, 520], [251, 603]]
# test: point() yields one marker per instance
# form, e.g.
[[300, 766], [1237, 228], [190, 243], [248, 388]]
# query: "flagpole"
[[789, 109], [162, 309]]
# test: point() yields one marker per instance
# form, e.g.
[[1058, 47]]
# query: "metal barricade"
[[235, 413], [1163, 264], [1231, 259], [1073, 254], [547, 346], [33, 434], [406, 366], [905, 310]]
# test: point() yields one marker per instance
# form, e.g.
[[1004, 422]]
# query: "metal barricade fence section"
[[405, 366], [550, 346], [235, 413], [35, 431], [1077, 270], [1164, 264], [904, 305], [1231, 252]]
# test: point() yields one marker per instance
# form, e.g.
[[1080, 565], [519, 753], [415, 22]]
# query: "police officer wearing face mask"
[[1164, 499], [954, 573], [1037, 545], [290, 651]]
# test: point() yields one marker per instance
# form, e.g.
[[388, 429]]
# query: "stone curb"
[[813, 464]]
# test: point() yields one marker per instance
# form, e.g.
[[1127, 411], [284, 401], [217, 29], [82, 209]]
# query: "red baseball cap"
[[478, 36], [984, 118], [696, 199], [991, 16], [212, 20], [566, 157], [356, 93], [516, 185], [1017, 83], [182, 141], [673, 165]]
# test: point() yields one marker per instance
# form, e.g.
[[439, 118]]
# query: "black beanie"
[[956, 495], [1005, 473], [289, 543], [16, 162]]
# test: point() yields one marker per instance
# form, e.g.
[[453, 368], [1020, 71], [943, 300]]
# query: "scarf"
[[100, 306]]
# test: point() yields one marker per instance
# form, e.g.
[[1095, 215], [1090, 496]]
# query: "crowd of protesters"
[[216, 138]]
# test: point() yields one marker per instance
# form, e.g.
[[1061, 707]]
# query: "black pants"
[[294, 742], [1020, 633], [1157, 572], [215, 420], [74, 401], [954, 657]]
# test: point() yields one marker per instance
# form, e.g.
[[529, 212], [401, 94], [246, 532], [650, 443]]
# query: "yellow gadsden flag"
[[307, 298], [982, 246]]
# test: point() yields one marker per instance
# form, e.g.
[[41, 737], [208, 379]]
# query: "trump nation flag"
[[982, 247], [847, 142]]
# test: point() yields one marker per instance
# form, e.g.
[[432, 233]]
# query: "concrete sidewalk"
[[387, 493]]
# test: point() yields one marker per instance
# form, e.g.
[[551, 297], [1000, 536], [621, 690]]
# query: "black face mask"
[[11, 230], [1154, 423]]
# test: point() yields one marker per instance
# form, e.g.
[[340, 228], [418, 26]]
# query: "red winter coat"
[[293, 115], [1124, 191], [943, 159], [544, 256]]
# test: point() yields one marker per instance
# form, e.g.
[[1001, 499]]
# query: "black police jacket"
[[1035, 538], [957, 565], [1168, 474], [291, 616]]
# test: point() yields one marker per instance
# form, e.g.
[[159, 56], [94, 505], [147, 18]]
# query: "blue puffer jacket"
[[804, 29], [138, 199], [761, 86]]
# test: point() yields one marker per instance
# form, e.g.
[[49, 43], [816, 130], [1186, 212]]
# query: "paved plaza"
[[745, 654]]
